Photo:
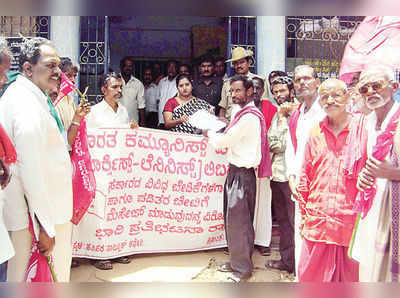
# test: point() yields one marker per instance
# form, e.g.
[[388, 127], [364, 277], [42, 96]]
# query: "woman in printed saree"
[[178, 109]]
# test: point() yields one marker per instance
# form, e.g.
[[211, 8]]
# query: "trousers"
[[239, 202]]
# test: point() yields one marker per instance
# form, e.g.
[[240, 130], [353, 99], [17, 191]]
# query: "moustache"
[[338, 104], [377, 96]]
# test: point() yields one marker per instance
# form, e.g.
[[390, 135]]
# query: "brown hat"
[[239, 53]]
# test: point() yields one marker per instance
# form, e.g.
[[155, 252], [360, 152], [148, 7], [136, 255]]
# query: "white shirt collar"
[[106, 106], [315, 107]]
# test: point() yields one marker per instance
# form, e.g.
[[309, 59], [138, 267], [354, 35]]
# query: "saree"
[[189, 109]]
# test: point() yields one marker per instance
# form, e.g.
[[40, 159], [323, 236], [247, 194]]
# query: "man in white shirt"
[[151, 98], [243, 138], [6, 248], [301, 122], [109, 113], [132, 92], [167, 89], [42, 176]]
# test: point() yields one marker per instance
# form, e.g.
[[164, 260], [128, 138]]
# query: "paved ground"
[[180, 267]]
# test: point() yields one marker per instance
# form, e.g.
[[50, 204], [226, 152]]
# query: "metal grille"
[[12, 27], [242, 33], [93, 57], [318, 41]]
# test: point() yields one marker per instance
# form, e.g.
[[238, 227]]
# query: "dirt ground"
[[180, 267]]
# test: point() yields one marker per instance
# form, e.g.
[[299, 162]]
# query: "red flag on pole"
[[66, 87], [376, 41], [83, 180]]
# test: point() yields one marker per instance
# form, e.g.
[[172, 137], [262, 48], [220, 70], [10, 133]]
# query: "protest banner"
[[158, 191]]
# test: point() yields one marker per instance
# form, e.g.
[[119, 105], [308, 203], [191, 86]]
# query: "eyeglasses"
[[377, 87]]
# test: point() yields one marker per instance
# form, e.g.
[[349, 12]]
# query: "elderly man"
[[42, 183], [245, 139], [327, 194], [283, 207], [167, 89], [241, 59], [377, 238], [301, 121], [132, 92], [6, 248], [208, 87]]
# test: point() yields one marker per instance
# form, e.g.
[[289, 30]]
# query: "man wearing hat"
[[241, 63]]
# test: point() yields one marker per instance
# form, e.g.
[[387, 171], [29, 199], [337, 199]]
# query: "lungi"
[[322, 262]]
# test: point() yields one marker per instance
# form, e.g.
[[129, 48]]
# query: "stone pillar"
[[65, 35], [271, 44]]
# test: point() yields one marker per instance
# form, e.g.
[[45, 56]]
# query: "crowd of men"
[[331, 152]]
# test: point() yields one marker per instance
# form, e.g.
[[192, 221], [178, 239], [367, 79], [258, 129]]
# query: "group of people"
[[331, 152], [146, 101]]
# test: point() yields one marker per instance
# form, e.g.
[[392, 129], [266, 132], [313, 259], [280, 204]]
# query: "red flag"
[[83, 180], [40, 268], [376, 41], [66, 87]]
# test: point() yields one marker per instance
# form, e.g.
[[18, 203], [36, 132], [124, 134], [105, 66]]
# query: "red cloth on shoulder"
[[170, 105], [268, 110], [7, 150]]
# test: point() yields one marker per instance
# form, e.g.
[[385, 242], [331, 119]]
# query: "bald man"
[[326, 196]]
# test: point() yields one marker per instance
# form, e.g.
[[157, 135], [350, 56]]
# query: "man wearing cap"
[[241, 63]]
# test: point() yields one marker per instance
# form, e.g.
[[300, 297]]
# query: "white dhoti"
[[298, 240], [262, 214], [62, 253], [364, 242]]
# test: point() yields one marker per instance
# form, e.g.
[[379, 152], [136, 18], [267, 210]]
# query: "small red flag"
[[66, 87]]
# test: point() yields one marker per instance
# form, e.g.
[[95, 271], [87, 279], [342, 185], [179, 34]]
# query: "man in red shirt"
[[326, 194]]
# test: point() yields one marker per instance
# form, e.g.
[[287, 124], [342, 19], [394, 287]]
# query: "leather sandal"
[[264, 251], [122, 260], [226, 267], [274, 264], [238, 278], [75, 263], [103, 264]]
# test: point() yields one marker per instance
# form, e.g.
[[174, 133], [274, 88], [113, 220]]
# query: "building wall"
[[154, 38]]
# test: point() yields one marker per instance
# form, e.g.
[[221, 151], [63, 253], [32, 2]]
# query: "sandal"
[[75, 263], [226, 267], [103, 264], [122, 260], [264, 251], [273, 264]]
